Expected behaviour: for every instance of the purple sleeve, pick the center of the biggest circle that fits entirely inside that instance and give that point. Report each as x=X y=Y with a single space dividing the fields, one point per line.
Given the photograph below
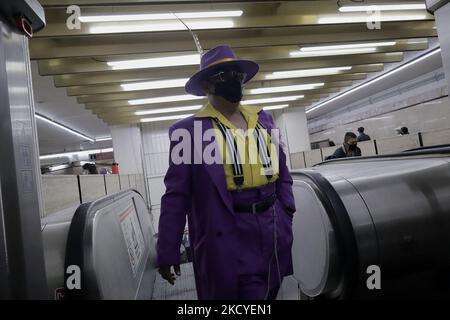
x=174 y=206
x=284 y=184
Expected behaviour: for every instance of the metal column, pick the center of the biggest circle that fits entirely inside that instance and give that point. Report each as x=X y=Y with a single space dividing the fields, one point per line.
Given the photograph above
x=22 y=268
x=441 y=11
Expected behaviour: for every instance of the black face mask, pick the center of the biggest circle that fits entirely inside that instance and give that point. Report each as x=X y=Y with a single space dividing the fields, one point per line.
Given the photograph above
x=230 y=90
x=352 y=147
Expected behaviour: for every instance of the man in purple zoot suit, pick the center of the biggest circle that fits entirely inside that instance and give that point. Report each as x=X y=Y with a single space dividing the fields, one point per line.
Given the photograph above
x=240 y=224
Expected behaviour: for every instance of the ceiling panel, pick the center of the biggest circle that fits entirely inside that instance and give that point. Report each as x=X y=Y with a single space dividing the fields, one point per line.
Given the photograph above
x=272 y=33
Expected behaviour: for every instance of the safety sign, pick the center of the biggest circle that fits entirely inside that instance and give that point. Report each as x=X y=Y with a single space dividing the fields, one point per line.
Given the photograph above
x=132 y=234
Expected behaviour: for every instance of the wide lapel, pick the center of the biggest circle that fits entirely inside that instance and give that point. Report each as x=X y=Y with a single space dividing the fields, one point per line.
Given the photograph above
x=265 y=122
x=216 y=170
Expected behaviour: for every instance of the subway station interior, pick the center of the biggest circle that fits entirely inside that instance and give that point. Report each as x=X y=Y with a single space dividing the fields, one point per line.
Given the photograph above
x=94 y=207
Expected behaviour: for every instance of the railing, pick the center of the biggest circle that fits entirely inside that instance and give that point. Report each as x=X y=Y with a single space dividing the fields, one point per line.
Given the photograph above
x=309 y=158
x=66 y=191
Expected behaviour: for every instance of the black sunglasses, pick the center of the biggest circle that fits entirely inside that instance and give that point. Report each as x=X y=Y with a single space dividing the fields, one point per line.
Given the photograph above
x=225 y=75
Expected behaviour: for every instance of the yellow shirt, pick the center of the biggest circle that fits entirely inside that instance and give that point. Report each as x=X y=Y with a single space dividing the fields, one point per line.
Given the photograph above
x=251 y=163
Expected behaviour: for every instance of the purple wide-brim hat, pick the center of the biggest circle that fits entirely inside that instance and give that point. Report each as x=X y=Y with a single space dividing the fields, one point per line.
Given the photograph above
x=214 y=60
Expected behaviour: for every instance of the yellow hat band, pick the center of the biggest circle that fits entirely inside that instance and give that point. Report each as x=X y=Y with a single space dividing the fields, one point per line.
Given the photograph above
x=220 y=61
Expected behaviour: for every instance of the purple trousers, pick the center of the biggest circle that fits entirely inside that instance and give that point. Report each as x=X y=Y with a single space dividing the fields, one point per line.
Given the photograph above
x=258 y=268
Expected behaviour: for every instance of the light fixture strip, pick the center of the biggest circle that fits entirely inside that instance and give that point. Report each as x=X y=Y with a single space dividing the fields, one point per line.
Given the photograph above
x=182 y=97
x=160 y=16
x=307 y=72
x=270 y=100
x=276 y=107
x=381 y=77
x=299 y=87
x=300 y=54
x=368 y=18
x=103 y=139
x=383 y=7
x=157 y=84
x=172 y=61
x=79 y=153
x=167 y=110
x=165 y=118
x=155 y=27
x=63 y=127
x=349 y=46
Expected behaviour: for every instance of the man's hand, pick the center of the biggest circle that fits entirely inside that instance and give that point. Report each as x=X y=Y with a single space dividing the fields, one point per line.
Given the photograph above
x=168 y=275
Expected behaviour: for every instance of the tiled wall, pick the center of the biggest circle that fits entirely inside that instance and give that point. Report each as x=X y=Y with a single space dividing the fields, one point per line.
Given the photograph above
x=429 y=116
x=65 y=191
x=421 y=104
x=373 y=147
x=156 y=143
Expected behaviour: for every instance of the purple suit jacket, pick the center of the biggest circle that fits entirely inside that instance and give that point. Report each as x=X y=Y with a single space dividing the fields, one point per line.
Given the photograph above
x=199 y=191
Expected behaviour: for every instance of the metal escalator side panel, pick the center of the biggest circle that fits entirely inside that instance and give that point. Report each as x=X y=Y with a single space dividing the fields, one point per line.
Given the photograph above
x=54 y=238
x=338 y=229
x=75 y=256
x=410 y=205
x=111 y=240
x=364 y=231
x=314 y=249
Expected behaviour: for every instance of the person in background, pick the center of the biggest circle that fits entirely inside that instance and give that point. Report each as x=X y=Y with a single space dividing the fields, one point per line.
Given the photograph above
x=362 y=136
x=89 y=168
x=187 y=245
x=348 y=149
x=404 y=131
x=331 y=143
x=103 y=170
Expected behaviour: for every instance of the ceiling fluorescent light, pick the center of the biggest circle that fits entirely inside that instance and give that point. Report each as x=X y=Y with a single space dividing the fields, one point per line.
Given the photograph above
x=365 y=84
x=287 y=88
x=76 y=153
x=182 y=60
x=368 y=18
x=270 y=100
x=126 y=17
x=383 y=7
x=60 y=126
x=299 y=54
x=165 y=118
x=103 y=139
x=182 y=97
x=307 y=72
x=209 y=14
x=166 y=26
x=158 y=84
x=167 y=110
x=349 y=46
x=160 y=16
x=276 y=107
x=59 y=167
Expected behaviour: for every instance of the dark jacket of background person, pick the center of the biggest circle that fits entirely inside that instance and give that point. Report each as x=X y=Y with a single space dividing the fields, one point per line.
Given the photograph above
x=363 y=137
x=341 y=153
x=348 y=149
x=92 y=168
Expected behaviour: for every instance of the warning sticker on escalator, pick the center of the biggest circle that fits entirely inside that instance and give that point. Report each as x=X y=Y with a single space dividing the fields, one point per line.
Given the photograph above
x=133 y=237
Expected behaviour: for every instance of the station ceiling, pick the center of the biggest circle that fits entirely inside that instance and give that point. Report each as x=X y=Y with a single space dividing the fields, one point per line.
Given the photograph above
x=110 y=67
